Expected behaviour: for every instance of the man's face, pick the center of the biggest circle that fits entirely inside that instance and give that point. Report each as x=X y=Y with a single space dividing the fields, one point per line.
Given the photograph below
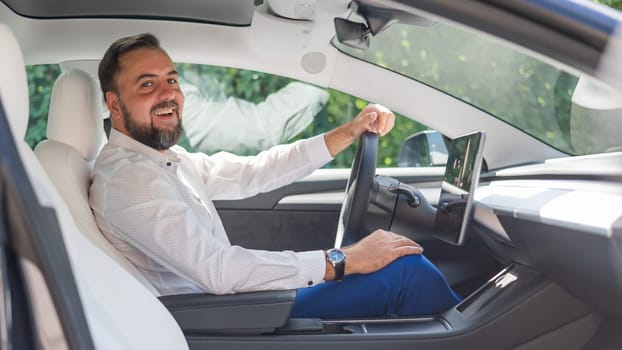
x=148 y=104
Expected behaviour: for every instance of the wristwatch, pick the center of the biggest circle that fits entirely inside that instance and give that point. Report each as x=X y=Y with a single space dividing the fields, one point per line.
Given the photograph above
x=337 y=258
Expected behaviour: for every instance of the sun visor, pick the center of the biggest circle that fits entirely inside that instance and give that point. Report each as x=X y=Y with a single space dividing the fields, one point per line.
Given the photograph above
x=294 y=9
x=230 y=12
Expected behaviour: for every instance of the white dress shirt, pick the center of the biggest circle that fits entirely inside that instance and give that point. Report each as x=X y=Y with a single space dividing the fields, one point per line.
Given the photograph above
x=156 y=208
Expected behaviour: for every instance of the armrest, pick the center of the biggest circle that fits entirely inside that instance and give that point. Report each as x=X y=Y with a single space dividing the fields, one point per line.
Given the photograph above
x=243 y=313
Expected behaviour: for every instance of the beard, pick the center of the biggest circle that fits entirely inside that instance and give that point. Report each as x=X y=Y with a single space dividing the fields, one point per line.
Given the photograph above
x=150 y=135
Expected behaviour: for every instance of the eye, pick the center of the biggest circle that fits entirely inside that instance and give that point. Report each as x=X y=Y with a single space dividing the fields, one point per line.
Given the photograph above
x=172 y=81
x=146 y=84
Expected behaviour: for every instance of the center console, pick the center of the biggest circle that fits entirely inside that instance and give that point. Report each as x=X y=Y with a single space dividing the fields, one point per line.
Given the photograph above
x=501 y=312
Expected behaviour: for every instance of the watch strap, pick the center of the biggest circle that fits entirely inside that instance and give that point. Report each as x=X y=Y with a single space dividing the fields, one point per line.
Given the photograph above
x=340 y=269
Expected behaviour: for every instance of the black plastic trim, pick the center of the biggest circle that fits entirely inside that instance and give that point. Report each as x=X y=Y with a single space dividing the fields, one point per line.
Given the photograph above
x=236 y=13
x=18 y=321
x=242 y=313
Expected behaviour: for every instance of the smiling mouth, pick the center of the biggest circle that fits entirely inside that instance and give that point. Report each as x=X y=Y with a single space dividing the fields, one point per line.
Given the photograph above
x=165 y=112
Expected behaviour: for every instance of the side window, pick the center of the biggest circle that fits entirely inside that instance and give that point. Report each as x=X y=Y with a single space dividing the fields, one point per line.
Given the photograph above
x=245 y=112
x=41 y=79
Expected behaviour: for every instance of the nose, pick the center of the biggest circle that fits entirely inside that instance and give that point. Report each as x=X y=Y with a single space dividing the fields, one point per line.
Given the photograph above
x=167 y=92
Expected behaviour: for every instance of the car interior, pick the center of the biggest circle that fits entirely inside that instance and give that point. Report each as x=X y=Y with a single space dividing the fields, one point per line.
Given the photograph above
x=534 y=247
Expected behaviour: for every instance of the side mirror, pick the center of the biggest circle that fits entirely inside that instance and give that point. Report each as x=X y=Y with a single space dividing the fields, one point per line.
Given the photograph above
x=423 y=149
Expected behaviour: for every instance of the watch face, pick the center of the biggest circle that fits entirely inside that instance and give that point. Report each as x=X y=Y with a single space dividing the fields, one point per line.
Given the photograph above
x=335 y=256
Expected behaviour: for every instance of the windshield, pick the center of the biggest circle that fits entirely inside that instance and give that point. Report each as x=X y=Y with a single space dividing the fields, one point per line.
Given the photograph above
x=553 y=105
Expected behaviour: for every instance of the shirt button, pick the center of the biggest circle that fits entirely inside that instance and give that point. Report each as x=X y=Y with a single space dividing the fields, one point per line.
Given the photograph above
x=310 y=283
x=169 y=163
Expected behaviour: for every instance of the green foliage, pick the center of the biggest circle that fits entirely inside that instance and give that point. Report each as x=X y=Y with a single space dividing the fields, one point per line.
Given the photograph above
x=246 y=84
x=40 y=82
x=616 y=4
x=256 y=86
x=523 y=91
x=342 y=108
x=506 y=83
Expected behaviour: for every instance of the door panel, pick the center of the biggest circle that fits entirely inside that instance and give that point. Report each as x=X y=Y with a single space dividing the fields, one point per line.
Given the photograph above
x=281 y=229
x=303 y=215
x=267 y=221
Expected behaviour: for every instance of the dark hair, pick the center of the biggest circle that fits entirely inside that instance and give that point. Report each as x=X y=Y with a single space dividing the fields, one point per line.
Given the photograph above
x=109 y=65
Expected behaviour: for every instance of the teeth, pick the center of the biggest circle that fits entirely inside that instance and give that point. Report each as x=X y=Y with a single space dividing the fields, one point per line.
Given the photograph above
x=164 y=111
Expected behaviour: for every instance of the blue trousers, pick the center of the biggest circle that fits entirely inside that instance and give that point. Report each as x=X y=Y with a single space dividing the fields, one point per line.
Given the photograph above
x=409 y=286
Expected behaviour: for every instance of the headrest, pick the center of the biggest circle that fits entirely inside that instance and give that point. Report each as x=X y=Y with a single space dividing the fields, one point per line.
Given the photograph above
x=75 y=116
x=13 y=84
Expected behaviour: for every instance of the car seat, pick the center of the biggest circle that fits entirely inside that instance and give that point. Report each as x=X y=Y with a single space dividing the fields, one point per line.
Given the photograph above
x=74 y=135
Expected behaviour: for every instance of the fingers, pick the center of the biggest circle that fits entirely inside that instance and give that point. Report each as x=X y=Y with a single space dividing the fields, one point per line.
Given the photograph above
x=388 y=125
x=374 y=118
x=406 y=246
x=408 y=250
x=379 y=119
x=378 y=250
x=394 y=241
x=381 y=122
x=372 y=121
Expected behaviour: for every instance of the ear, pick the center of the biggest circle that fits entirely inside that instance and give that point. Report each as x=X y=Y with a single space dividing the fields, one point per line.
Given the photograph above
x=112 y=101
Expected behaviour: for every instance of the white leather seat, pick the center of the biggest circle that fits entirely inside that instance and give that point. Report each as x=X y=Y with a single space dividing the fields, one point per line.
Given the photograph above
x=121 y=313
x=74 y=135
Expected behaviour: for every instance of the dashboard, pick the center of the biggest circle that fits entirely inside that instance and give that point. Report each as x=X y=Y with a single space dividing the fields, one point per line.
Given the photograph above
x=562 y=218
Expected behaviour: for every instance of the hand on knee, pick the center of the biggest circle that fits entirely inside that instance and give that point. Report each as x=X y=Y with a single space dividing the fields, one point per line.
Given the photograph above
x=378 y=250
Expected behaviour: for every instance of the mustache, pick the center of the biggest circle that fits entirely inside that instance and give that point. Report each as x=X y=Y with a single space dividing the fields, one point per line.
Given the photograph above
x=165 y=104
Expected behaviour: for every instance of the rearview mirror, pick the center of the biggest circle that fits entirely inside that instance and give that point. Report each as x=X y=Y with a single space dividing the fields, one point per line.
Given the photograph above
x=353 y=34
x=377 y=17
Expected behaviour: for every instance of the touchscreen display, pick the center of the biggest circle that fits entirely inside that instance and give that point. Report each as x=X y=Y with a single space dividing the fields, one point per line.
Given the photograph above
x=464 y=162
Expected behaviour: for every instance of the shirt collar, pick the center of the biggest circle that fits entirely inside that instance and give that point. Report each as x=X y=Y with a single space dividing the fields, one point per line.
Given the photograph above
x=164 y=158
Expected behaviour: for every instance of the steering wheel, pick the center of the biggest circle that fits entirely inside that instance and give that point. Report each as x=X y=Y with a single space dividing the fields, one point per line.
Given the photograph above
x=358 y=191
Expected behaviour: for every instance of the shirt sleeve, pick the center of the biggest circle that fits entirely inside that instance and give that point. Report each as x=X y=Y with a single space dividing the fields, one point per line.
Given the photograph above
x=228 y=176
x=235 y=125
x=147 y=210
